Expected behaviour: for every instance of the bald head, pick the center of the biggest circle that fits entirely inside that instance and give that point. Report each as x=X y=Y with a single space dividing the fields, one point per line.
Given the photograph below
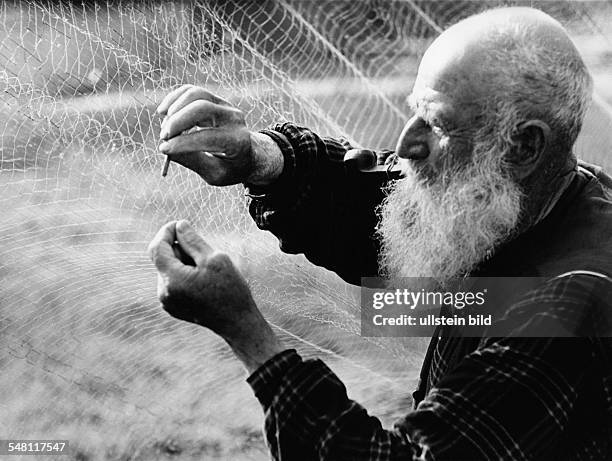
x=468 y=45
x=518 y=58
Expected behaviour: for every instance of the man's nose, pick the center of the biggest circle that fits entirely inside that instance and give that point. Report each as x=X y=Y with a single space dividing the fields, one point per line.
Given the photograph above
x=412 y=143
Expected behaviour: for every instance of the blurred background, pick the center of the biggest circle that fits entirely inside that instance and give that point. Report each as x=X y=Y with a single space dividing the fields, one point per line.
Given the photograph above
x=86 y=352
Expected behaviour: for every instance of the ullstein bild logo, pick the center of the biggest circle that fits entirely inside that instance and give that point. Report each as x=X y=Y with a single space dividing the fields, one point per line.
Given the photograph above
x=476 y=307
x=433 y=320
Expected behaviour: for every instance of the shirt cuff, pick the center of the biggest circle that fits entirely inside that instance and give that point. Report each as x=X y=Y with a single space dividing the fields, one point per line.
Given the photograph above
x=286 y=176
x=266 y=380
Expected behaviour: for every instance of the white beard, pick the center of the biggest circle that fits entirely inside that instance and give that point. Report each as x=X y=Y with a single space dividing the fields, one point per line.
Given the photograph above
x=446 y=227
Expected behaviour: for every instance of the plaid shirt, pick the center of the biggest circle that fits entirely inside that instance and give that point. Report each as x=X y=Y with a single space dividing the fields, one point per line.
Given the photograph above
x=482 y=398
x=505 y=399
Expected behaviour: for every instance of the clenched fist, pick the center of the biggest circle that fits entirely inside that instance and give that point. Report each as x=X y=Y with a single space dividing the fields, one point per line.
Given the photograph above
x=202 y=286
x=206 y=134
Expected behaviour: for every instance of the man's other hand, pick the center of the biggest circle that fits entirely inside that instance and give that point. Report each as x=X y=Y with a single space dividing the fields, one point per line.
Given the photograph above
x=206 y=134
x=196 y=283
x=200 y=285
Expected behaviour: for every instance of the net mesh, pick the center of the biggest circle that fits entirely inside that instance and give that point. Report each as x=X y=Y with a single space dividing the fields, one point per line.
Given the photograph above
x=87 y=354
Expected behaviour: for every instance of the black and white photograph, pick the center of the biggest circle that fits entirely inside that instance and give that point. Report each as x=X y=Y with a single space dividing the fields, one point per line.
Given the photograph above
x=306 y=230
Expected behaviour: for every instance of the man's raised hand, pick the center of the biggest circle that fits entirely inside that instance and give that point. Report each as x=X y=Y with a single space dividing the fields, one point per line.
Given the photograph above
x=206 y=134
x=200 y=285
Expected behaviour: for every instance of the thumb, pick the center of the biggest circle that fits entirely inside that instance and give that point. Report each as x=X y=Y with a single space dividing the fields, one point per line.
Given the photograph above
x=160 y=249
x=191 y=243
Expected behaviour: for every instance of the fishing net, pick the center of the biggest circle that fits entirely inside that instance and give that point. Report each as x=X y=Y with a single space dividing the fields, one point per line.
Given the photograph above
x=87 y=353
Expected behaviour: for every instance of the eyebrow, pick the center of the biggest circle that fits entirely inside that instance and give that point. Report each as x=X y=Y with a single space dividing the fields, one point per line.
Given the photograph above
x=439 y=119
x=411 y=102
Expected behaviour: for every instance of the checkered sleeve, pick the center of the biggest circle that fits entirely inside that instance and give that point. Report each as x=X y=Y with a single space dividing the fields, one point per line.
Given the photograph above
x=310 y=417
x=510 y=399
x=318 y=206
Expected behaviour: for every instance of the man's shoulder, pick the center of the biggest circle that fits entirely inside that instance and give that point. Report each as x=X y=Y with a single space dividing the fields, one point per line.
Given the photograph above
x=587 y=216
x=589 y=201
x=597 y=178
x=580 y=232
x=576 y=234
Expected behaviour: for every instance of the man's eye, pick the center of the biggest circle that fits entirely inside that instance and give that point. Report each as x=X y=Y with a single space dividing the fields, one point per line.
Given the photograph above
x=439 y=131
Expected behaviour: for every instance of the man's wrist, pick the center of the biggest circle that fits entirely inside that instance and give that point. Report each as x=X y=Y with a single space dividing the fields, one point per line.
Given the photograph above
x=268 y=161
x=254 y=345
x=265 y=381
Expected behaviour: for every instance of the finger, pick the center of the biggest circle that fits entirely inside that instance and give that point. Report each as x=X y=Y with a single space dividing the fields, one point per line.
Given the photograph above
x=215 y=98
x=214 y=140
x=200 y=113
x=191 y=243
x=182 y=256
x=160 y=248
x=163 y=125
x=162 y=109
x=195 y=94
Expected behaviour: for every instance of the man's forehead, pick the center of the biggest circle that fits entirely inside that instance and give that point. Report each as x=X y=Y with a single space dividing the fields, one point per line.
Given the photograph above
x=456 y=76
x=426 y=100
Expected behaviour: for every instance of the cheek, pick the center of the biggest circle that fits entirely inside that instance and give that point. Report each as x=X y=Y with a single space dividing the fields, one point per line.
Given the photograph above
x=454 y=152
x=445 y=144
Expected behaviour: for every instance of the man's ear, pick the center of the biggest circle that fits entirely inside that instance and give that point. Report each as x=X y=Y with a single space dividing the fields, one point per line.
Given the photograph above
x=530 y=139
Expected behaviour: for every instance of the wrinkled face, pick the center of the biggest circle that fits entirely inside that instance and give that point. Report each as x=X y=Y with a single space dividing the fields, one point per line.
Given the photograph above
x=456 y=203
x=438 y=138
x=446 y=101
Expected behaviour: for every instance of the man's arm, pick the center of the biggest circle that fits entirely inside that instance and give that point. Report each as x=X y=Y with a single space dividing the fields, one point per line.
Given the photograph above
x=321 y=205
x=513 y=398
x=200 y=285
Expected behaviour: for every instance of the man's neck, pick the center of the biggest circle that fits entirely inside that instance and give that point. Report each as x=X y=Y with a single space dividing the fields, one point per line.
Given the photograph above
x=563 y=183
x=551 y=191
